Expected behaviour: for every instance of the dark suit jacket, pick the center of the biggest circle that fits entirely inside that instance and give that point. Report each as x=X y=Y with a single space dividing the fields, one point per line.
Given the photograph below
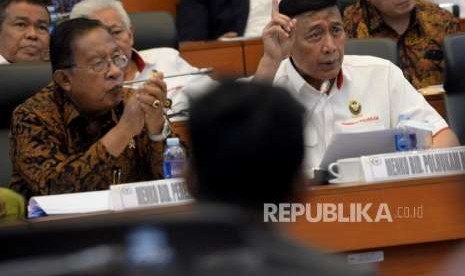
x=209 y=19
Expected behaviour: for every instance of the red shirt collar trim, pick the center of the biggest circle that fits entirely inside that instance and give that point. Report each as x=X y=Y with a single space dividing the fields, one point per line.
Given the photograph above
x=340 y=80
x=140 y=63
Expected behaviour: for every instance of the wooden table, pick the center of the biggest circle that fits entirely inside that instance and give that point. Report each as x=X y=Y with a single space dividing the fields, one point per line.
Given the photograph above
x=411 y=245
x=253 y=52
x=107 y=216
x=226 y=58
x=151 y=5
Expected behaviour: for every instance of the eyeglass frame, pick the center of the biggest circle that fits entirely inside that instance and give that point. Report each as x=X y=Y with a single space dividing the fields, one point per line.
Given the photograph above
x=108 y=62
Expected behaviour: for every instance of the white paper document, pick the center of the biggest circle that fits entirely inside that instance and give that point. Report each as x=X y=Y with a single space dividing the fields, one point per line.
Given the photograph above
x=73 y=203
x=347 y=145
x=157 y=193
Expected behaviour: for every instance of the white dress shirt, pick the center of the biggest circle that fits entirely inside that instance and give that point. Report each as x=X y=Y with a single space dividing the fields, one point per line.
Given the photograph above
x=376 y=84
x=259 y=16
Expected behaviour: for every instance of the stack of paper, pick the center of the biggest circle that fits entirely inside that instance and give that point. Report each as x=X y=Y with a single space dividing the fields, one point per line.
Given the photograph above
x=74 y=203
x=166 y=192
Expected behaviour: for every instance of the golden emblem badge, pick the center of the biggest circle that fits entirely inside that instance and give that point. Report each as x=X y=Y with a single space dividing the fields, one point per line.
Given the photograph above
x=355 y=108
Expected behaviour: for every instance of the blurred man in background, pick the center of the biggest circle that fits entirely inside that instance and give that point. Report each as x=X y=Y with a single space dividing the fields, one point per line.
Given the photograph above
x=24 y=33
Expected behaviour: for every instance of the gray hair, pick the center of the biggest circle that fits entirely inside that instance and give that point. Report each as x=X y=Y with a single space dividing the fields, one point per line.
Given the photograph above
x=87 y=8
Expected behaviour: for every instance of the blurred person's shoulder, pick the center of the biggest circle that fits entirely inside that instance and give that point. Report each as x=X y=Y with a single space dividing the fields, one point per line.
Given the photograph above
x=261 y=249
x=284 y=254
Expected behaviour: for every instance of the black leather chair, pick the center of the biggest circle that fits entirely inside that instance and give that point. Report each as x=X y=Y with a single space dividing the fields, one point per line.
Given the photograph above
x=378 y=47
x=153 y=29
x=454 y=57
x=17 y=83
x=454 y=83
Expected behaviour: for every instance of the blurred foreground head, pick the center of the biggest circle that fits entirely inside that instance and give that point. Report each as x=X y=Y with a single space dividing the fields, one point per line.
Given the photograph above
x=247 y=145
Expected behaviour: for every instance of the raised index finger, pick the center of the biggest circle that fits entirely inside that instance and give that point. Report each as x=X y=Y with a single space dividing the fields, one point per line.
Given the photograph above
x=275 y=8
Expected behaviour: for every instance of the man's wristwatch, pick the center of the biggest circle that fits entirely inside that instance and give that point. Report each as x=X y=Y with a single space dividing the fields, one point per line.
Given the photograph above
x=163 y=135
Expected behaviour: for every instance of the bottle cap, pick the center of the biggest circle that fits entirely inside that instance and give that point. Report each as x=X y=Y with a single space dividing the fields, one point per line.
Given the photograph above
x=172 y=142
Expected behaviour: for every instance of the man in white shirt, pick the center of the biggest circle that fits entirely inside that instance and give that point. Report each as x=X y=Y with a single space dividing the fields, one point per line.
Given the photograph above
x=143 y=63
x=23 y=31
x=304 y=52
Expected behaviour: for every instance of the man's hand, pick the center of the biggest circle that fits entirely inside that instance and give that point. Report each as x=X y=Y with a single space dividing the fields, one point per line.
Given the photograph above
x=278 y=35
x=278 y=38
x=133 y=118
x=130 y=124
x=152 y=97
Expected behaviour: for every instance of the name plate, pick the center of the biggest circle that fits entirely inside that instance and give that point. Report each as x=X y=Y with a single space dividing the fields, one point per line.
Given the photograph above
x=148 y=194
x=410 y=164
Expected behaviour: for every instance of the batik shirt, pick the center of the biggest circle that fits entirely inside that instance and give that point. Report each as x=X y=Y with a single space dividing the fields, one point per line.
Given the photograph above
x=54 y=149
x=420 y=47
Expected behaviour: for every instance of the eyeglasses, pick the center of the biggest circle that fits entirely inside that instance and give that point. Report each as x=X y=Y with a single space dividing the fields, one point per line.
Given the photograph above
x=103 y=65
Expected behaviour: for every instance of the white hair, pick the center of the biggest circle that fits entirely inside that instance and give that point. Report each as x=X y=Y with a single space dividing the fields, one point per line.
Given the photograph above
x=88 y=8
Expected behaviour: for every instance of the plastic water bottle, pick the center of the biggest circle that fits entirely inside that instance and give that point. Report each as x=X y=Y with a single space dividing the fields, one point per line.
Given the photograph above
x=173 y=159
x=405 y=139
